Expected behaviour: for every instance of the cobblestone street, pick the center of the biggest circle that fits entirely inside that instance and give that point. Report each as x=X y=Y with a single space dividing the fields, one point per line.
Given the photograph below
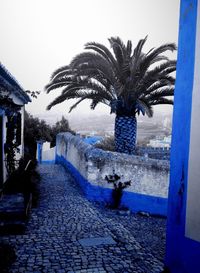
x=53 y=240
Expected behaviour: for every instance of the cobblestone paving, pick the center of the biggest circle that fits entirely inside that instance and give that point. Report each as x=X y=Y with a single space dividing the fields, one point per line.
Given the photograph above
x=64 y=216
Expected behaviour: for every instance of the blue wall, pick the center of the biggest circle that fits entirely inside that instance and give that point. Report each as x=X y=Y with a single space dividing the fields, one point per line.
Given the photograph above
x=134 y=201
x=39 y=151
x=182 y=254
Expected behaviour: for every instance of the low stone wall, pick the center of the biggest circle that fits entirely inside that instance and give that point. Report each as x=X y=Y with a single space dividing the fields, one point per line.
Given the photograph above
x=156 y=153
x=89 y=165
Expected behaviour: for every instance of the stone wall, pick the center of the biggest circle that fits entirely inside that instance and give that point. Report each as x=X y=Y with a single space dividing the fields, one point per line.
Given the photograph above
x=156 y=153
x=90 y=165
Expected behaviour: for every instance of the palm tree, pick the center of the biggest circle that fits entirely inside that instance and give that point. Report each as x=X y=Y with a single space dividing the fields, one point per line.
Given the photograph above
x=129 y=81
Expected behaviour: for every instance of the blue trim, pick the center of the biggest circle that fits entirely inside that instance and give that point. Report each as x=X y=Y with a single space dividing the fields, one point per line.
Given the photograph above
x=182 y=254
x=140 y=202
x=11 y=84
x=47 y=162
x=92 y=140
x=39 y=152
x=93 y=193
x=134 y=201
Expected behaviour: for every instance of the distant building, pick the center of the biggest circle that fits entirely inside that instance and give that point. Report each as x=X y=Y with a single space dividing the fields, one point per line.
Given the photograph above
x=167 y=123
x=12 y=101
x=160 y=143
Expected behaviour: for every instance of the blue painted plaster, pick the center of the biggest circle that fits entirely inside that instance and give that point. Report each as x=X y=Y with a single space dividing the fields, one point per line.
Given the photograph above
x=93 y=193
x=182 y=254
x=137 y=202
x=47 y=162
x=39 y=152
x=134 y=201
x=2 y=111
x=92 y=140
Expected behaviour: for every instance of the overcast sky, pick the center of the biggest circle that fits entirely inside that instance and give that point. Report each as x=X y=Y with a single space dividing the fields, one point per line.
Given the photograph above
x=38 y=36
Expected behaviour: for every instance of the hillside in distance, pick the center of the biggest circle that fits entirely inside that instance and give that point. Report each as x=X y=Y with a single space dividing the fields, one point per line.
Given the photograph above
x=103 y=124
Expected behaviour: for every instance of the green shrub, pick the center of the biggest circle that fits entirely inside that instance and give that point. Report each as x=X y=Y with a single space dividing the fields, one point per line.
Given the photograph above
x=107 y=144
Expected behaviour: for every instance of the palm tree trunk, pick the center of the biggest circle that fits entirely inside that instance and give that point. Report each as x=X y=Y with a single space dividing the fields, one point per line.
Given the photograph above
x=125 y=134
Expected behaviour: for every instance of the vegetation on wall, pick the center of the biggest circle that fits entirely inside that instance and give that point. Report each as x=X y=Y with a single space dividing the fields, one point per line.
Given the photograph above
x=34 y=130
x=60 y=126
x=107 y=144
x=13 y=130
x=118 y=188
x=11 y=145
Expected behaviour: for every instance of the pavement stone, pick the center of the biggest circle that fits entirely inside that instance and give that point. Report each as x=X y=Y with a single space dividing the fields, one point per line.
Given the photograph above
x=51 y=242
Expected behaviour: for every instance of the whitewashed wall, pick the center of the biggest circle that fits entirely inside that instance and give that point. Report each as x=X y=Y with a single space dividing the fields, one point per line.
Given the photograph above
x=148 y=176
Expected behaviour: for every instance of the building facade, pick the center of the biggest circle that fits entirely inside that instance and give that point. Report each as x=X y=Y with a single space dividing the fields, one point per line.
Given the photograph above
x=12 y=101
x=183 y=228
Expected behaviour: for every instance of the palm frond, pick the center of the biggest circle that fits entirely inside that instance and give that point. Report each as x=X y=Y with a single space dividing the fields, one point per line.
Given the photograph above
x=119 y=49
x=122 y=77
x=95 y=97
x=94 y=103
x=157 y=51
x=137 y=57
x=104 y=52
x=138 y=49
x=144 y=107
x=163 y=92
x=61 y=69
x=64 y=74
x=157 y=74
x=95 y=62
x=154 y=56
x=156 y=87
x=58 y=84
x=161 y=101
x=129 y=49
x=59 y=100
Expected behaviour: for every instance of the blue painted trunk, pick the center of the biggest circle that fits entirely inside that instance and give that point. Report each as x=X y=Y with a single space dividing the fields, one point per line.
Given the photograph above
x=125 y=134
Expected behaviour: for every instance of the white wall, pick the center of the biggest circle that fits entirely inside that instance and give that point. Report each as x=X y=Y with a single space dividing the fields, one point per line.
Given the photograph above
x=148 y=176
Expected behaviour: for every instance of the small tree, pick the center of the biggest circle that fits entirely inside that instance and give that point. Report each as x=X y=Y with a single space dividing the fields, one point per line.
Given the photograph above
x=118 y=188
x=34 y=130
x=60 y=126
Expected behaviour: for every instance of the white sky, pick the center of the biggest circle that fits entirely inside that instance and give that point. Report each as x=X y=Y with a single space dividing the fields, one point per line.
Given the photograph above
x=38 y=36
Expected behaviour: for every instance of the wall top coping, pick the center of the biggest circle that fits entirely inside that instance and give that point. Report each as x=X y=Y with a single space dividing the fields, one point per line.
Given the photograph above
x=96 y=154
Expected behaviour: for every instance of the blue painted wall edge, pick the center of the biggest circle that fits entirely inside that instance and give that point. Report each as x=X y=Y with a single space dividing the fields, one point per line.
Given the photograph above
x=182 y=254
x=134 y=201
